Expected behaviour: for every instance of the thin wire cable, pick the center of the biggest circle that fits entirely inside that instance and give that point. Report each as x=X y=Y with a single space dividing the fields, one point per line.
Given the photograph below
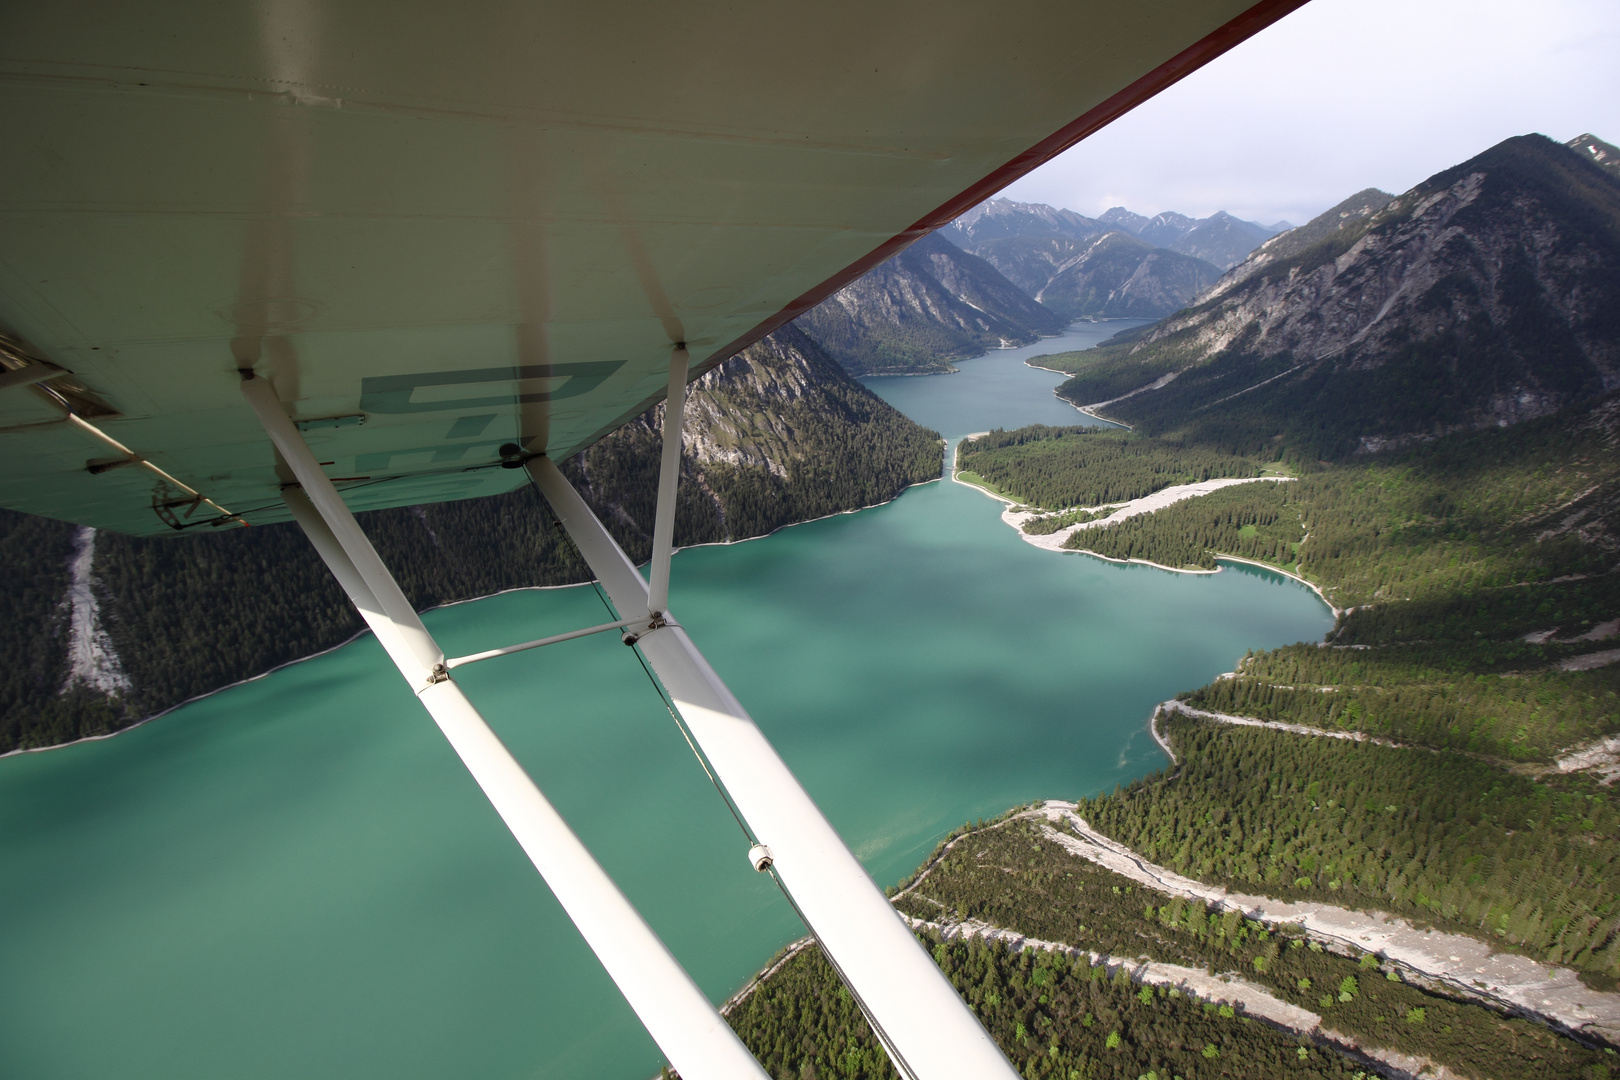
x=675 y=715
x=895 y=1057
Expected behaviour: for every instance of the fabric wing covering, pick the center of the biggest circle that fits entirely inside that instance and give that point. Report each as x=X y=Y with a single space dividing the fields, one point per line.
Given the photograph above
x=444 y=228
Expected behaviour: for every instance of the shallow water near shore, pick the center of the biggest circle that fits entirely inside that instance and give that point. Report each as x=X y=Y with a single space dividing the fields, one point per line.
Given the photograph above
x=297 y=877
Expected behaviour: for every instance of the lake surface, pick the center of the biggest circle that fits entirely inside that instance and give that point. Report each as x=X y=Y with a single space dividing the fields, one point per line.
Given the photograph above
x=296 y=877
x=997 y=390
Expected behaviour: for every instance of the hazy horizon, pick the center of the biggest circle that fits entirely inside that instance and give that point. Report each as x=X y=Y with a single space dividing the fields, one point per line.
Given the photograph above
x=1342 y=96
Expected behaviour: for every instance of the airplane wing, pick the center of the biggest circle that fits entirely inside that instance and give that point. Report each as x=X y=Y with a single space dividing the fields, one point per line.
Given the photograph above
x=439 y=229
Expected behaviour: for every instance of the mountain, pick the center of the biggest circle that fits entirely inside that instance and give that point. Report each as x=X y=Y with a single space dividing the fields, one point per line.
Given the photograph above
x=1220 y=238
x=1487 y=295
x=777 y=434
x=997 y=219
x=1031 y=262
x=1119 y=276
x=929 y=305
x=1288 y=244
x=1605 y=154
x=1117 y=217
x=1161 y=230
x=1054 y=255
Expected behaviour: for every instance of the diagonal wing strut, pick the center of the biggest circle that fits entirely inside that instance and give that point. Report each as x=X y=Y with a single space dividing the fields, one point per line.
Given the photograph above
x=930 y=1032
x=694 y=1037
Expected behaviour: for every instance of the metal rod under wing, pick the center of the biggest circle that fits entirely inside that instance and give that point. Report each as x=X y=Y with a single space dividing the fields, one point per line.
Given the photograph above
x=907 y=995
x=538 y=643
x=687 y=1028
x=669 y=475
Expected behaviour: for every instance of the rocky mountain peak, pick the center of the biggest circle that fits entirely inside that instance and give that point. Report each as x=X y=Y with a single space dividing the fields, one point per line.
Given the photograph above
x=998 y=218
x=1117 y=217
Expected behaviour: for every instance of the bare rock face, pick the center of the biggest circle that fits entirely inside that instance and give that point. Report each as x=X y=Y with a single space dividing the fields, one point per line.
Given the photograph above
x=1488 y=295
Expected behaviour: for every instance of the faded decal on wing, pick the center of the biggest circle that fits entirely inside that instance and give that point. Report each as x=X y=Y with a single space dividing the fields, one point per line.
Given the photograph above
x=420 y=392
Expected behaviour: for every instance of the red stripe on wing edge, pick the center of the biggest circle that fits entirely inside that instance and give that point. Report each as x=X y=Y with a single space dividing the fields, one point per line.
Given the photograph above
x=1167 y=74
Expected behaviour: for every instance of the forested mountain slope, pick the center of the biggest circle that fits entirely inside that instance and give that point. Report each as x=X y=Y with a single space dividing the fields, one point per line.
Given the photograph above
x=929 y=305
x=1488 y=295
x=777 y=434
x=1476 y=563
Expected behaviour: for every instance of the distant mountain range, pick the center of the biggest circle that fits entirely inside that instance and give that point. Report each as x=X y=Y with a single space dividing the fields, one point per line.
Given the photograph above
x=1487 y=295
x=1007 y=273
x=1220 y=238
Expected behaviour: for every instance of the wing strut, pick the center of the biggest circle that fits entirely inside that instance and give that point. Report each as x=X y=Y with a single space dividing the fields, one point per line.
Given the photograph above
x=669 y=477
x=694 y=1037
x=930 y=1032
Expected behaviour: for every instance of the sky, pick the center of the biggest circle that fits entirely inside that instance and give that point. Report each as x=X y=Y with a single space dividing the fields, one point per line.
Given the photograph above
x=1348 y=94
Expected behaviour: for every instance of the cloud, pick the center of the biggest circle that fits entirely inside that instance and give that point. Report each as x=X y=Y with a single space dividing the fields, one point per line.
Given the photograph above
x=1348 y=94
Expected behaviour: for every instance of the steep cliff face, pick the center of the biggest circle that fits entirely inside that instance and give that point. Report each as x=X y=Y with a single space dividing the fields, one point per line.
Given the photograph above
x=929 y=305
x=1487 y=295
x=110 y=629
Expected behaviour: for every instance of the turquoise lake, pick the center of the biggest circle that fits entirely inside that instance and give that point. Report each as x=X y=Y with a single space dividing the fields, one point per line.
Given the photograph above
x=296 y=877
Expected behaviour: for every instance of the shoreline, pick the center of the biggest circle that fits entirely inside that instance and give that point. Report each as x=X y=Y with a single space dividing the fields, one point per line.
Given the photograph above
x=1135 y=508
x=1338 y=612
x=364 y=630
x=1088 y=410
